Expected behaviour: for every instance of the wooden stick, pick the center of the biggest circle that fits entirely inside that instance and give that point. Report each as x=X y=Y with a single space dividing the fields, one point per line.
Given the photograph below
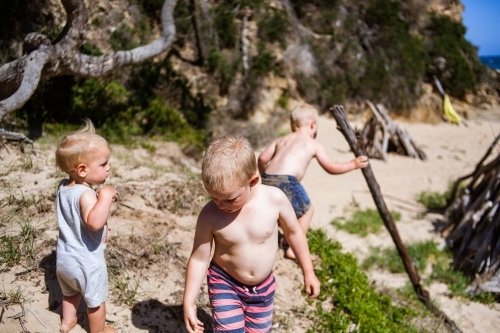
x=355 y=141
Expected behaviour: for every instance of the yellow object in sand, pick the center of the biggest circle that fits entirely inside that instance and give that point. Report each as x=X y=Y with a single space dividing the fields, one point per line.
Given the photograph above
x=449 y=112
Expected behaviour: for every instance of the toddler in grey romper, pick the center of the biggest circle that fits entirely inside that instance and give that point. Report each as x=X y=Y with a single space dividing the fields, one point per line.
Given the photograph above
x=81 y=267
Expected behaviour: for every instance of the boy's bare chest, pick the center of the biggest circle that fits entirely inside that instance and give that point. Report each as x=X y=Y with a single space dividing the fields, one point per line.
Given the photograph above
x=255 y=228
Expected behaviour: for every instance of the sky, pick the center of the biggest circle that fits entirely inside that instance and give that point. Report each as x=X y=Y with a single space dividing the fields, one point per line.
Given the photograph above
x=482 y=19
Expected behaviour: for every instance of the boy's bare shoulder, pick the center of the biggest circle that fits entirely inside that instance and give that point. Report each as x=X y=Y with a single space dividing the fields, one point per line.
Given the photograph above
x=272 y=194
x=208 y=211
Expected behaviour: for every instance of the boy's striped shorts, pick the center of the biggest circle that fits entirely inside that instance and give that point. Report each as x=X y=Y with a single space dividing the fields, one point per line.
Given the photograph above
x=237 y=308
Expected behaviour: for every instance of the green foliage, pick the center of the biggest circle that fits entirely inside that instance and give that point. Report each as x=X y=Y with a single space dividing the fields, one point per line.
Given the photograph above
x=226 y=27
x=89 y=49
x=355 y=301
x=261 y=65
x=322 y=18
x=363 y=222
x=123 y=38
x=222 y=68
x=274 y=26
x=422 y=254
x=432 y=200
x=283 y=102
x=463 y=70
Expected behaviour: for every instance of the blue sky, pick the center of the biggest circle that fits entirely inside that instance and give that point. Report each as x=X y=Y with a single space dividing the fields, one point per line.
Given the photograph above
x=482 y=19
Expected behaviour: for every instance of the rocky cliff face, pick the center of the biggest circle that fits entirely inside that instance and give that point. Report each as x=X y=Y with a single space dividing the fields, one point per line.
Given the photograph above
x=249 y=61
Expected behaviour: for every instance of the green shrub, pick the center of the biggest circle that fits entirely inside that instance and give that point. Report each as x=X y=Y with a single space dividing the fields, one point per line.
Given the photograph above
x=222 y=69
x=274 y=26
x=463 y=69
x=388 y=258
x=123 y=38
x=432 y=200
x=226 y=28
x=354 y=299
x=363 y=222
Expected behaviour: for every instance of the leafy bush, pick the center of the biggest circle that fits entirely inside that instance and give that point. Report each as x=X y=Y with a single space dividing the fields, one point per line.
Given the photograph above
x=274 y=26
x=463 y=69
x=355 y=302
x=363 y=222
x=123 y=38
x=222 y=68
x=226 y=28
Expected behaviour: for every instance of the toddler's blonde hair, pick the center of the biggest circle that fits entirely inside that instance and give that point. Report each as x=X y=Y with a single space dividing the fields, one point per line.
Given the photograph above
x=229 y=163
x=79 y=147
x=302 y=115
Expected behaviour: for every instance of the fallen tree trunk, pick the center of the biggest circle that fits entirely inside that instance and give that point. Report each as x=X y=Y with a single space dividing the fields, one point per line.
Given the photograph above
x=355 y=141
x=381 y=135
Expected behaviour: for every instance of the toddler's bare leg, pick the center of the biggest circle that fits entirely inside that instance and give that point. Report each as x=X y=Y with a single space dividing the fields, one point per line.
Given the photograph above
x=69 y=308
x=304 y=222
x=97 y=319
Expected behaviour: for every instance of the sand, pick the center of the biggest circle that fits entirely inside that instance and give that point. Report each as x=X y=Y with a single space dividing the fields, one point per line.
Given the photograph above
x=160 y=194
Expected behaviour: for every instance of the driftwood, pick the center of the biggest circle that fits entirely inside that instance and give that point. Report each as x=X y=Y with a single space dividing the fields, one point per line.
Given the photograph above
x=472 y=226
x=356 y=143
x=6 y=136
x=382 y=135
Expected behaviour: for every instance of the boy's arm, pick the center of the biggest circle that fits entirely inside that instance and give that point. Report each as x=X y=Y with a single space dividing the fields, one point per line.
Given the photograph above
x=196 y=272
x=266 y=156
x=338 y=168
x=298 y=242
x=95 y=209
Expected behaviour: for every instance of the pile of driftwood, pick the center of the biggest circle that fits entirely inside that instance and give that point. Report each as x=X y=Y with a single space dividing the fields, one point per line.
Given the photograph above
x=472 y=228
x=381 y=135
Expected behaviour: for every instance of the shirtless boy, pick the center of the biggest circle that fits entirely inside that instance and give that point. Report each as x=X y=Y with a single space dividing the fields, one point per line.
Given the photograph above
x=82 y=215
x=241 y=221
x=283 y=163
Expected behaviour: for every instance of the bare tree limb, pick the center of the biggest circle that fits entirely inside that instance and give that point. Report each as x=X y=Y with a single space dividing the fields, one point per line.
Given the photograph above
x=19 y=78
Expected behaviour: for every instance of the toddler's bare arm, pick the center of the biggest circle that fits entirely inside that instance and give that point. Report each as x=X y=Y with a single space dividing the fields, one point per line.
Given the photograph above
x=336 y=168
x=95 y=209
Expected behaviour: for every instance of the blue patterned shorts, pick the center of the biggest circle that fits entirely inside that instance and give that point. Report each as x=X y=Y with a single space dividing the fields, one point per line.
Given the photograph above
x=293 y=190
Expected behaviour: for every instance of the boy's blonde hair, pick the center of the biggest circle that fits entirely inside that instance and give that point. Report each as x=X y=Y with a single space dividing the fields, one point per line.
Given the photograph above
x=79 y=147
x=229 y=163
x=302 y=115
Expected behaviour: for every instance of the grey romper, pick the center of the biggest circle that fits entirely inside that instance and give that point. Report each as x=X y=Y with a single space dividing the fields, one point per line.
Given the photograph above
x=81 y=267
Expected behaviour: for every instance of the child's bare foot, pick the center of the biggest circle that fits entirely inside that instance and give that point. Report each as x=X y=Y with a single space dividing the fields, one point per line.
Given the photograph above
x=68 y=325
x=289 y=254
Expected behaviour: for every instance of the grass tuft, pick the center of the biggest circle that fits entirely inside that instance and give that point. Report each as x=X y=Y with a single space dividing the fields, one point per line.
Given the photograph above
x=363 y=222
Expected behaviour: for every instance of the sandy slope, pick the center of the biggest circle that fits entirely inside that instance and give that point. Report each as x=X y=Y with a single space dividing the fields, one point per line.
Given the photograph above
x=161 y=194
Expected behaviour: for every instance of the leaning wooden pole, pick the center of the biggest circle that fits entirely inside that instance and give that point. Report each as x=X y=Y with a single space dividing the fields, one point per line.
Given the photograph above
x=355 y=141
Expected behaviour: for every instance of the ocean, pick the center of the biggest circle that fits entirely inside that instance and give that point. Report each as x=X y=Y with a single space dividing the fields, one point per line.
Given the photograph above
x=491 y=61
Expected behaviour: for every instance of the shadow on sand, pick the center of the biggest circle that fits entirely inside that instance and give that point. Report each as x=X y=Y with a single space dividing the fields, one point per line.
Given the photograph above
x=152 y=315
x=157 y=317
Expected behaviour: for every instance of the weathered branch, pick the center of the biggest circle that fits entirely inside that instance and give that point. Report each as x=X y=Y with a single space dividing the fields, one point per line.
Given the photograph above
x=355 y=141
x=19 y=78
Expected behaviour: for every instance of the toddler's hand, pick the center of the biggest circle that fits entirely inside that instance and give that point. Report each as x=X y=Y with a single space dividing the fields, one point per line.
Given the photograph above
x=312 y=286
x=361 y=162
x=108 y=192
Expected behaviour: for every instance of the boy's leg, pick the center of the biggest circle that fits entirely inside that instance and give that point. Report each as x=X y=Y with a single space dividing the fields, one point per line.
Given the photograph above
x=304 y=222
x=69 y=308
x=97 y=319
x=259 y=307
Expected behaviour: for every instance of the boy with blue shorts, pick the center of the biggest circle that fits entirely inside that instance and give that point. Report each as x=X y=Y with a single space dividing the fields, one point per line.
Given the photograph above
x=283 y=163
x=241 y=221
